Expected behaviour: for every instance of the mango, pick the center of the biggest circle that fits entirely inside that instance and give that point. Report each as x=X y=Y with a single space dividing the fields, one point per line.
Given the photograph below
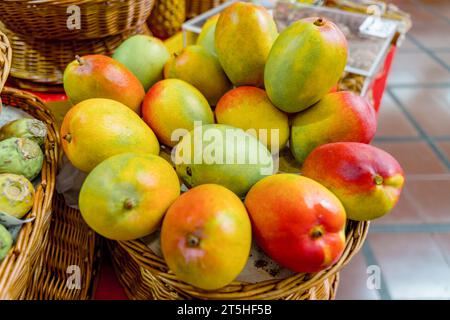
x=305 y=62
x=16 y=195
x=298 y=222
x=211 y=81
x=338 y=117
x=145 y=57
x=244 y=35
x=223 y=155
x=125 y=197
x=98 y=76
x=250 y=109
x=206 y=38
x=96 y=129
x=366 y=179
x=206 y=237
x=172 y=105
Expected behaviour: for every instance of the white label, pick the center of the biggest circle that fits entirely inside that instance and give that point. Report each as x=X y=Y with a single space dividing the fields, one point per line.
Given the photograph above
x=377 y=27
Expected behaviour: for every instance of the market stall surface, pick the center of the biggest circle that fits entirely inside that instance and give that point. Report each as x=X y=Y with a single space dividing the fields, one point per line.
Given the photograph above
x=407 y=255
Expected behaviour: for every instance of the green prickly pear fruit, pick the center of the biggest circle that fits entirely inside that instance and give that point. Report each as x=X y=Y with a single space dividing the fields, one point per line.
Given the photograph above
x=16 y=195
x=5 y=242
x=32 y=129
x=21 y=156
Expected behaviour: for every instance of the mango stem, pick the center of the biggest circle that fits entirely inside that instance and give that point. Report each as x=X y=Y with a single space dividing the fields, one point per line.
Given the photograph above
x=378 y=180
x=319 y=22
x=192 y=241
x=78 y=58
x=317 y=232
x=68 y=137
x=129 y=204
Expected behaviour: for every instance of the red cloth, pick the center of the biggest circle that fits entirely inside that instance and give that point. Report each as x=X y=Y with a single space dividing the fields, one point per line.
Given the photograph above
x=108 y=287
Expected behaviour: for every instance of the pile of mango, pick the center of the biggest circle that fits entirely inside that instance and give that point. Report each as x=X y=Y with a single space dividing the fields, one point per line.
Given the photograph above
x=213 y=118
x=21 y=160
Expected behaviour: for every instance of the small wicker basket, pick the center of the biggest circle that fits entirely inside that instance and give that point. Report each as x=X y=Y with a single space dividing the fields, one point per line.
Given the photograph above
x=72 y=247
x=49 y=19
x=196 y=7
x=17 y=269
x=44 y=61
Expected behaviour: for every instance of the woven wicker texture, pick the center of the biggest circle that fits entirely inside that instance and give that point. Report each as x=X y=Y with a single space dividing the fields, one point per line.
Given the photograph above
x=167 y=17
x=196 y=7
x=44 y=61
x=49 y=19
x=70 y=243
x=144 y=275
x=17 y=270
x=5 y=59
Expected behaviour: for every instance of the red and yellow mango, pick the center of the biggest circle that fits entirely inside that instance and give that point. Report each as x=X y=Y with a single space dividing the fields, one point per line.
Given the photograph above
x=338 y=117
x=367 y=180
x=173 y=104
x=297 y=222
x=250 y=108
x=206 y=237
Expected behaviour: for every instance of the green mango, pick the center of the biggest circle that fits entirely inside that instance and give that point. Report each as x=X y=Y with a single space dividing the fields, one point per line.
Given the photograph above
x=145 y=57
x=5 y=242
x=16 y=195
x=21 y=156
x=224 y=155
x=206 y=37
x=305 y=62
x=244 y=35
x=32 y=129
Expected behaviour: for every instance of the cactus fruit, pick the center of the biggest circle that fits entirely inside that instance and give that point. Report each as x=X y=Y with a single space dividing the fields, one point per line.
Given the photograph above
x=16 y=195
x=21 y=156
x=25 y=128
x=5 y=242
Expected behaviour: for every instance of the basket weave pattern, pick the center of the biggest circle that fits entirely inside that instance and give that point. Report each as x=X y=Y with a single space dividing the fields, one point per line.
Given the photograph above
x=196 y=7
x=45 y=61
x=47 y=19
x=5 y=59
x=70 y=243
x=17 y=269
x=144 y=275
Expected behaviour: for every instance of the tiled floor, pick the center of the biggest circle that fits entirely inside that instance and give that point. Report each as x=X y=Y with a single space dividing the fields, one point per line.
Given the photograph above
x=411 y=246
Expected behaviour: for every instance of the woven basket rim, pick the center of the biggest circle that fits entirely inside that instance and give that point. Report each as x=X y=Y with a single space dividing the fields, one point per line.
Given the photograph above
x=5 y=57
x=16 y=269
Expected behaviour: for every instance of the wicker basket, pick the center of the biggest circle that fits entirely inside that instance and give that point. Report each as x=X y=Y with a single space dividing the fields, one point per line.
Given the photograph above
x=5 y=59
x=44 y=61
x=196 y=7
x=48 y=19
x=144 y=275
x=70 y=243
x=17 y=269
